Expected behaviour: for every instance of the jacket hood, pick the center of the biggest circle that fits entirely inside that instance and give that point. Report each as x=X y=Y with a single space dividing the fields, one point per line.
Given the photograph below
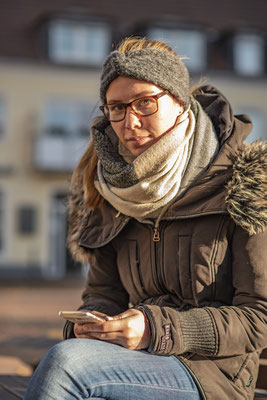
x=235 y=183
x=245 y=191
x=218 y=109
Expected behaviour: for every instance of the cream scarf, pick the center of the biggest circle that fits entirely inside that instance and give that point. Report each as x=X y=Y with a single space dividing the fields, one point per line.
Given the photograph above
x=158 y=170
x=140 y=188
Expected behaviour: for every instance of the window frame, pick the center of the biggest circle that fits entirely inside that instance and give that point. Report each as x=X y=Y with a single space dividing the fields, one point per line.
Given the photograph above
x=27 y=219
x=3 y=121
x=76 y=55
x=73 y=107
x=238 y=65
x=3 y=203
x=254 y=113
x=202 y=34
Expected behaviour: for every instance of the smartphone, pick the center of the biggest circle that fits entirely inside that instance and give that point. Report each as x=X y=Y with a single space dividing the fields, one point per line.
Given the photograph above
x=80 y=317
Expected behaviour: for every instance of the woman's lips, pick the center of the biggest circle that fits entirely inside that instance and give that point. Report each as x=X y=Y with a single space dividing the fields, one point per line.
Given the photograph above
x=138 y=140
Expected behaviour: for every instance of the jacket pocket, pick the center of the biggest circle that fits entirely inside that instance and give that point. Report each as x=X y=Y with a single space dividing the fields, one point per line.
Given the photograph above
x=241 y=370
x=248 y=372
x=134 y=264
x=184 y=267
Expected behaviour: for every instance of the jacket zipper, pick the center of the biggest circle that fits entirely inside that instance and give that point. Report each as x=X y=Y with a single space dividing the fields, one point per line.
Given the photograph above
x=157 y=263
x=140 y=273
x=156 y=237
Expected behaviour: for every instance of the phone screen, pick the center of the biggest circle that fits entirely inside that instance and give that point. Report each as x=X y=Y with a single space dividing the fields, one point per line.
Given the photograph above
x=80 y=317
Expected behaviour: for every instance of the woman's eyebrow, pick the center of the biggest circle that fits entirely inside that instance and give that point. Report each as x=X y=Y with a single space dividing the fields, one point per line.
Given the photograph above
x=137 y=96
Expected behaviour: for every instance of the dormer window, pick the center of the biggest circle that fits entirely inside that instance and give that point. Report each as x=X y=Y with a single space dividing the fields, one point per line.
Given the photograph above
x=78 y=42
x=191 y=44
x=248 y=54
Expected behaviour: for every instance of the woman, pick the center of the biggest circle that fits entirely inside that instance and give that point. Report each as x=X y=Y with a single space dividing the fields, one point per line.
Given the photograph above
x=167 y=205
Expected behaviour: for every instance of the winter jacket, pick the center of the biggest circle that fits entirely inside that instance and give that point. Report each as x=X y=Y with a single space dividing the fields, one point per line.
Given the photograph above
x=201 y=278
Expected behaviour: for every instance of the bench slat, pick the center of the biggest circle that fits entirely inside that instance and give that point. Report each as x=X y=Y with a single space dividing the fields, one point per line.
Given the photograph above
x=13 y=386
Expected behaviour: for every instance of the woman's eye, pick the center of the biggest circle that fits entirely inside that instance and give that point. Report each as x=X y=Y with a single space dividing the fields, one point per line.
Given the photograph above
x=145 y=102
x=115 y=107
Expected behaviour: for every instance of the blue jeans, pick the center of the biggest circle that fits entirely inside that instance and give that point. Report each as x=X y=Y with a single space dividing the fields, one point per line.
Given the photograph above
x=86 y=368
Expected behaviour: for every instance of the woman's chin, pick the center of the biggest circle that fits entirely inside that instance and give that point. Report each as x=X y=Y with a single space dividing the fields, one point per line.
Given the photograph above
x=138 y=146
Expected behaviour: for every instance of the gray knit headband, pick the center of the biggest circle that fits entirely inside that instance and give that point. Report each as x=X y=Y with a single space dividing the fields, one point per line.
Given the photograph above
x=161 y=68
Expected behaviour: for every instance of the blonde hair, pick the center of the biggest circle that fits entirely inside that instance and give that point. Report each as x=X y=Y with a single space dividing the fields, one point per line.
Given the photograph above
x=138 y=43
x=85 y=172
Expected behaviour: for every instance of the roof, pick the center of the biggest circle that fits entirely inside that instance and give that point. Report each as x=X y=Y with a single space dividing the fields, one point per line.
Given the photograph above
x=21 y=20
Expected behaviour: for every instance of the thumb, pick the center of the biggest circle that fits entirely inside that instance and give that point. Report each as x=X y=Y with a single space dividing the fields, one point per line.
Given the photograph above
x=128 y=313
x=117 y=317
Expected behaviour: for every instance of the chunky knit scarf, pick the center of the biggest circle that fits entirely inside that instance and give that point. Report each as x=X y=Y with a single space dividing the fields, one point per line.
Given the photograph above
x=144 y=186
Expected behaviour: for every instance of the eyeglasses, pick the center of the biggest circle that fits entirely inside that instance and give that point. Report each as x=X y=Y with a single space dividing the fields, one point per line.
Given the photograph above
x=143 y=106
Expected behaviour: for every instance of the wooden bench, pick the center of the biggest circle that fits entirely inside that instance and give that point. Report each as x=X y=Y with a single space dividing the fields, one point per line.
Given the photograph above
x=13 y=387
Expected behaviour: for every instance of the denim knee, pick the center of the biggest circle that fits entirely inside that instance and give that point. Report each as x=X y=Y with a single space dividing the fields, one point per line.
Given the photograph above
x=64 y=354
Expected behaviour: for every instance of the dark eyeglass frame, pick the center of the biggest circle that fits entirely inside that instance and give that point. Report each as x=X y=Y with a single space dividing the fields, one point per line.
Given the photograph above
x=125 y=105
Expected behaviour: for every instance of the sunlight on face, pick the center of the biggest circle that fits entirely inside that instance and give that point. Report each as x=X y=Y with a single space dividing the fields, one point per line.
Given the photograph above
x=137 y=133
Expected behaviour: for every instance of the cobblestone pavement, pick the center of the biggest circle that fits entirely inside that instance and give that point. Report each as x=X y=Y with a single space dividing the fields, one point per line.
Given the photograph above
x=29 y=321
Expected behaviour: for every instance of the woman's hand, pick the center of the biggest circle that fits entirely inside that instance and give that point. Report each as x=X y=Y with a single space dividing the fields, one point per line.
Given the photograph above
x=78 y=327
x=128 y=329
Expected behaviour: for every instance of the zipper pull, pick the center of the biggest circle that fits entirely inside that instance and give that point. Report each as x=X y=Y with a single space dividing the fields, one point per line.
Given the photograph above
x=156 y=237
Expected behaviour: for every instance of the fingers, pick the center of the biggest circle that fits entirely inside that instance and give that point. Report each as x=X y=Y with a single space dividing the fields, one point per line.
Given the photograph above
x=124 y=339
x=112 y=324
x=128 y=329
x=81 y=332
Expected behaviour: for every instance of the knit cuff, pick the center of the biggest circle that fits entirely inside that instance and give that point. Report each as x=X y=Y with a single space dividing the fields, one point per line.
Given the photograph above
x=179 y=332
x=198 y=331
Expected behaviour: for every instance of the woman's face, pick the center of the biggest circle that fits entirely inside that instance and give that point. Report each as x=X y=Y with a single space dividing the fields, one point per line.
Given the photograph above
x=137 y=133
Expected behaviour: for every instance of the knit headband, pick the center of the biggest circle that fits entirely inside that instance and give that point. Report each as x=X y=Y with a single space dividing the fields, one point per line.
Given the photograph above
x=159 y=67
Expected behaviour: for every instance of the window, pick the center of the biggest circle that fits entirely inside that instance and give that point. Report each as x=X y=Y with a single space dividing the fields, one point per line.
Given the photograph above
x=27 y=220
x=2 y=230
x=2 y=117
x=191 y=44
x=258 y=131
x=248 y=54
x=67 y=118
x=64 y=134
x=78 y=42
x=257 y=118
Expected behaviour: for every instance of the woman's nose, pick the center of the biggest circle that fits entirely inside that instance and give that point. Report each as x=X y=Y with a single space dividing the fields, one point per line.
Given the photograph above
x=132 y=120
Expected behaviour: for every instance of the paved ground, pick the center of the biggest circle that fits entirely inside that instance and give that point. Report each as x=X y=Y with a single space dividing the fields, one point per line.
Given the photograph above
x=29 y=322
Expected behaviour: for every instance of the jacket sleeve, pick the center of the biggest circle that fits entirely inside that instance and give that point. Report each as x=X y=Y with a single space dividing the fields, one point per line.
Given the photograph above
x=225 y=330
x=104 y=291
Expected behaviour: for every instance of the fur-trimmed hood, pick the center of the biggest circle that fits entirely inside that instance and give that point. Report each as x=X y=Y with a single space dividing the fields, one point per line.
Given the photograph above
x=246 y=198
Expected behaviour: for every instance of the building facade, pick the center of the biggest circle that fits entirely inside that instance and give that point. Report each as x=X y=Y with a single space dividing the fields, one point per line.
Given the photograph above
x=50 y=60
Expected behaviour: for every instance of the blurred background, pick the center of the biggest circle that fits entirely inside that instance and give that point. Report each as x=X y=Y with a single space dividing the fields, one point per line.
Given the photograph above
x=51 y=54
